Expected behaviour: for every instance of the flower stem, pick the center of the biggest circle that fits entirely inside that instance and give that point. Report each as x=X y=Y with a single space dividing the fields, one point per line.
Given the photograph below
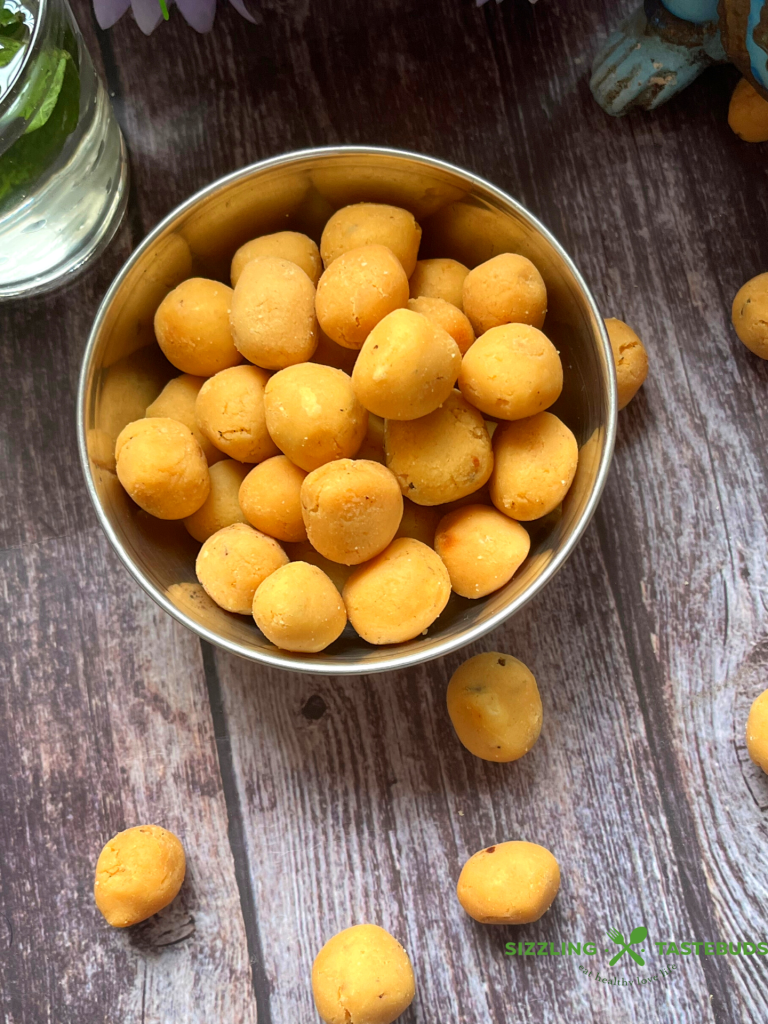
x=164 y=9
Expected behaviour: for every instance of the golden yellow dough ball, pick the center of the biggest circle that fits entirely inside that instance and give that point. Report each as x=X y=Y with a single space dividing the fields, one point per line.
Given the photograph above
x=630 y=360
x=495 y=707
x=748 y=113
x=222 y=507
x=313 y=414
x=273 y=313
x=372 y=447
x=230 y=412
x=418 y=522
x=481 y=548
x=406 y=368
x=351 y=509
x=750 y=315
x=510 y=883
x=138 y=872
x=337 y=573
x=439 y=279
x=449 y=317
x=357 y=291
x=162 y=467
x=270 y=497
x=535 y=463
x=372 y=224
x=512 y=372
x=440 y=457
x=330 y=354
x=177 y=402
x=285 y=245
x=757 y=731
x=234 y=562
x=399 y=594
x=192 y=327
x=299 y=609
x=362 y=976
x=507 y=289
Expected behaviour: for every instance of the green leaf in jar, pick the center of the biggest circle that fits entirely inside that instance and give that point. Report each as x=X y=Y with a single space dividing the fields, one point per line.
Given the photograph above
x=47 y=88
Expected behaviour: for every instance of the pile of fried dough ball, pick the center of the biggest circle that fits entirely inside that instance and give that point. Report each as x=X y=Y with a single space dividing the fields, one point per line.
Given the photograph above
x=412 y=474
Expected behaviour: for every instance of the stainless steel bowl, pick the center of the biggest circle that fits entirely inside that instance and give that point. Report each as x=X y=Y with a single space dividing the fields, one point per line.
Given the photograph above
x=463 y=217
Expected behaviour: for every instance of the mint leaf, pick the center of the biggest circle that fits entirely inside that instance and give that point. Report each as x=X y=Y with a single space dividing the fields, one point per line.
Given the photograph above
x=50 y=88
x=8 y=49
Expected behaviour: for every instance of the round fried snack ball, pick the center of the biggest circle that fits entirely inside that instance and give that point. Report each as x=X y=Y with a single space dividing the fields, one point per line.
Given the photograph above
x=440 y=457
x=449 y=317
x=222 y=507
x=439 y=279
x=512 y=372
x=230 y=412
x=192 y=327
x=398 y=594
x=630 y=359
x=273 y=313
x=351 y=509
x=507 y=289
x=313 y=415
x=138 y=872
x=373 y=443
x=362 y=976
x=299 y=609
x=418 y=522
x=495 y=706
x=757 y=731
x=177 y=402
x=357 y=291
x=748 y=113
x=535 y=463
x=481 y=548
x=406 y=368
x=372 y=224
x=750 y=315
x=162 y=467
x=330 y=354
x=234 y=562
x=270 y=499
x=511 y=883
x=285 y=245
x=337 y=573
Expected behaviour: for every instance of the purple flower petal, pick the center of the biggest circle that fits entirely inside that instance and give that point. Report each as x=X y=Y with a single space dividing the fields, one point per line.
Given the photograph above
x=242 y=9
x=109 y=11
x=148 y=14
x=198 y=13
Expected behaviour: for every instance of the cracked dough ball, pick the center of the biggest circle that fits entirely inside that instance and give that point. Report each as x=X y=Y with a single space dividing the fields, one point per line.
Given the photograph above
x=138 y=872
x=285 y=245
x=362 y=976
x=507 y=289
x=270 y=497
x=192 y=327
x=481 y=548
x=535 y=463
x=440 y=457
x=162 y=467
x=512 y=372
x=748 y=113
x=313 y=415
x=273 y=313
x=351 y=509
x=750 y=315
x=234 y=562
x=418 y=522
x=372 y=224
x=495 y=707
x=630 y=359
x=230 y=412
x=757 y=731
x=398 y=594
x=449 y=317
x=511 y=883
x=439 y=279
x=177 y=402
x=357 y=291
x=222 y=507
x=299 y=609
x=406 y=368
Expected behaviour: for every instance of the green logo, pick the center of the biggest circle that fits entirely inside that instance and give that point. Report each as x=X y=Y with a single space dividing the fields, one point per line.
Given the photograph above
x=635 y=936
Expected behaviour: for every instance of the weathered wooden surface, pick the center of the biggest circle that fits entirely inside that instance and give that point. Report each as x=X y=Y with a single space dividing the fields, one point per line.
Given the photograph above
x=333 y=801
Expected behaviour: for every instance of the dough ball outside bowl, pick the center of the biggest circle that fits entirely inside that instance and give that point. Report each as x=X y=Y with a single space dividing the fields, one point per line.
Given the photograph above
x=748 y=113
x=535 y=463
x=512 y=372
x=177 y=402
x=750 y=315
x=313 y=415
x=222 y=507
x=757 y=731
x=357 y=291
x=351 y=509
x=495 y=707
x=285 y=245
x=162 y=467
x=273 y=313
x=299 y=609
x=407 y=367
x=630 y=360
x=372 y=224
x=419 y=522
x=398 y=594
x=439 y=279
x=481 y=548
x=230 y=412
x=234 y=562
x=270 y=497
x=507 y=289
x=510 y=883
x=449 y=317
x=362 y=976
x=138 y=872
x=192 y=327
x=440 y=457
